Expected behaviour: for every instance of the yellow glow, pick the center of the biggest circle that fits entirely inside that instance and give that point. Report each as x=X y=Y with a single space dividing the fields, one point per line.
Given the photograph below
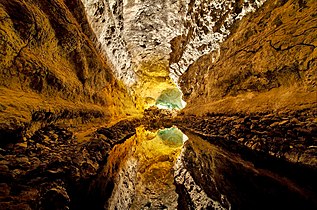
x=153 y=76
x=154 y=160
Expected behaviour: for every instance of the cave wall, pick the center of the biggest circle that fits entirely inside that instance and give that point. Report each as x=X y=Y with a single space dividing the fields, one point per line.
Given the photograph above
x=268 y=63
x=50 y=70
x=106 y=20
x=152 y=43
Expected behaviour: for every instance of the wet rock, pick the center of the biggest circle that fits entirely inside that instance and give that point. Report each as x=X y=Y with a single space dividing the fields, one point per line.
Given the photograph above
x=53 y=154
x=274 y=124
x=88 y=169
x=274 y=134
x=22 y=145
x=309 y=157
x=55 y=198
x=294 y=121
x=4 y=171
x=4 y=190
x=75 y=173
x=229 y=182
x=23 y=162
x=30 y=195
x=13 y=206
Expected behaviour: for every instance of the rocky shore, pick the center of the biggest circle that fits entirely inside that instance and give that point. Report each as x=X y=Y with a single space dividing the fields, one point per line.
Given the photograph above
x=289 y=136
x=52 y=169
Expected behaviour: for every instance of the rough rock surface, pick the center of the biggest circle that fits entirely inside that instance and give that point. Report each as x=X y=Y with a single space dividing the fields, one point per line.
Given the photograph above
x=51 y=169
x=50 y=69
x=196 y=196
x=290 y=136
x=154 y=42
x=59 y=67
x=106 y=20
x=210 y=176
x=267 y=63
x=215 y=171
x=139 y=174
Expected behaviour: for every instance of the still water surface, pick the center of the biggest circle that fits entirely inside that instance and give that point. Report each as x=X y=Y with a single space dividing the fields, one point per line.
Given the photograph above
x=167 y=169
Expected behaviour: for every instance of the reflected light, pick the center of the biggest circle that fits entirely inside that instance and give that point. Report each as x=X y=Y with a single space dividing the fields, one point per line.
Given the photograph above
x=172 y=136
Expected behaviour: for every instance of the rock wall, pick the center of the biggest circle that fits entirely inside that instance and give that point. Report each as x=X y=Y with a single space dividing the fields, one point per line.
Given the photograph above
x=289 y=136
x=204 y=25
x=106 y=20
x=50 y=70
x=191 y=195
x=267 y=64
x=209 y=176
x=154 y=42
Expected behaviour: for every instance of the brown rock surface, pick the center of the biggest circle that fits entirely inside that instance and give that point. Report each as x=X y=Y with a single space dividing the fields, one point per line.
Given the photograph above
x=258 y=96
x=230 y=180
x=51 y=171
x=288 y=136
x=50 y=71
x=267 y=63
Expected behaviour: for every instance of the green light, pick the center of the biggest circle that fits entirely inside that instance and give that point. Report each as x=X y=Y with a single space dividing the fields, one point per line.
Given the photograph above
x=172 y=136
x=170 y=99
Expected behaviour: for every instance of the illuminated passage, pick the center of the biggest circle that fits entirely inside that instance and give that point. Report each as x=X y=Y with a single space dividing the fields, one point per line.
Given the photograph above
x=172 y=136
x=170 y=98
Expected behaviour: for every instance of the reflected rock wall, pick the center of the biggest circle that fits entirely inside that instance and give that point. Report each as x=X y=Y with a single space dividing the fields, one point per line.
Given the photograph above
x=139 y=173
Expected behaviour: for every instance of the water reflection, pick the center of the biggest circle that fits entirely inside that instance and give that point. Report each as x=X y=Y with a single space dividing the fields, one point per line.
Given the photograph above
x=232 y=182
x=172 y=136
x=142 y=170
x=166 y=169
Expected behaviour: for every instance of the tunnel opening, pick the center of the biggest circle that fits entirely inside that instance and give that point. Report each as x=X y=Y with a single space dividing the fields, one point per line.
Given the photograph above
x=170 y=98
x=172 y=136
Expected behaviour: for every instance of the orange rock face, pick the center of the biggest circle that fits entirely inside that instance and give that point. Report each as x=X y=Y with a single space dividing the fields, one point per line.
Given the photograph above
x=267 y=64
x=49 y=66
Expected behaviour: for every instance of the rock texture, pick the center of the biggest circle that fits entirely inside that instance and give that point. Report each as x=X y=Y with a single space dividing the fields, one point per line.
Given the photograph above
x=192 y=195
x=250 y=84
x=154 y=42
x=50 y=70
x=52 y=170
x=289 y=136
x=267 y=63
x=146 y=172
x=210 y=176
x=204 y=25
x=106 y=20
